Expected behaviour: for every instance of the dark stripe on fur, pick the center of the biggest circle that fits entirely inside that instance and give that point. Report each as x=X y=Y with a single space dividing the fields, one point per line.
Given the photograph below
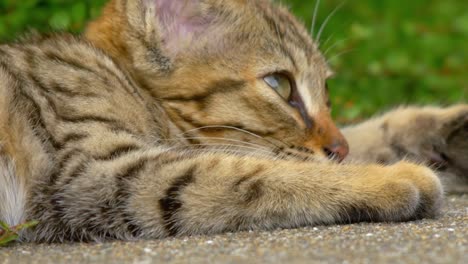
x=281 y=38
x=222 y=86
x=124 y=192
x=35 y=116
x=69 y=62
x=118 y=152
x=304 y=149
x=124 y=82
x=89 y=119
x=75 y=173
x=37 y=121
x=71 y=93
x=61 y=165
x=58 y=193
x=171 y=203
x=109 y=209
x=77 y=119
x=207 y=127
x=249 y=186
x=254 y=191
x=72 y=138
x=357 y=213
x=246 y=177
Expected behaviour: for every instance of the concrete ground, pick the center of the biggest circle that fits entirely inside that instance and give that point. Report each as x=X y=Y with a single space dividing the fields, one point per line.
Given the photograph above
x=444 y=240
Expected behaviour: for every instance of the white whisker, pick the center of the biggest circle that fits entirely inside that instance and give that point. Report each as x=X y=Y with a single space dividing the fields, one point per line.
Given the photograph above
x=233 y=128
x=334 y=45
x=225 y=148
x=224 y=139
x=314 y=18
x=326 y=41
x=325 y=22
x=338 y=55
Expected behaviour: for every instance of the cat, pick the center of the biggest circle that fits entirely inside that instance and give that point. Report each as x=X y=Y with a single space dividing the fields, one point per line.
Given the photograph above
x=175 y=118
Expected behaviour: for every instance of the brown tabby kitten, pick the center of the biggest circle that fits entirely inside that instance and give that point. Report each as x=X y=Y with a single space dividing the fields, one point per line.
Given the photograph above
x=183 y=118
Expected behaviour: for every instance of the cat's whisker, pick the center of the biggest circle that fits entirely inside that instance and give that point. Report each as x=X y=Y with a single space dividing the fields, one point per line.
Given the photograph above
x=223 y=139
x=338 y=55
x=334 y=45
x=314 y=18
x=220 y=126
x=324 y=44
x=233 y=128
x=228 y=147
x=327 y=19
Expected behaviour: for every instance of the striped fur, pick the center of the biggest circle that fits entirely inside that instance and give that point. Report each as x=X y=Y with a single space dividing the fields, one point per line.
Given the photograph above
x=123 y=136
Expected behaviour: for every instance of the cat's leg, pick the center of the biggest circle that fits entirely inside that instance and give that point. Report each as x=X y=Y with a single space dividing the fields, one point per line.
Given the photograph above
x=163 y=194
x=430 y=135
x=211 y=195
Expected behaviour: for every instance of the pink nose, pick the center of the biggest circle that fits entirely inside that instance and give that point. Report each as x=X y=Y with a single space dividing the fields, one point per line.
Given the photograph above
x=338 y=150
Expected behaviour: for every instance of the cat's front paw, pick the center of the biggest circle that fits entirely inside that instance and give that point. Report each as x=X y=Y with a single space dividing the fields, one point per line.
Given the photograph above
x=420 y=186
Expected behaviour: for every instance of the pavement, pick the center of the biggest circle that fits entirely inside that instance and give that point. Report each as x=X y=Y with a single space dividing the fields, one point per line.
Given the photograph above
x=444 y=240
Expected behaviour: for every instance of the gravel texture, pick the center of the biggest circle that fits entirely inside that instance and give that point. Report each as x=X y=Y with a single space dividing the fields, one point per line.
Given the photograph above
x=444 y=240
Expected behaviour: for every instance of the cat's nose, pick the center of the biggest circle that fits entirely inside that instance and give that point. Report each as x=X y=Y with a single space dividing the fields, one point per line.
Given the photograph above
x=327 y=138
x=337 y=151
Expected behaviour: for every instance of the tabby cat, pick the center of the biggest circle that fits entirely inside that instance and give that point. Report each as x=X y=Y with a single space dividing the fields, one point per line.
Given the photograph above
x=173 y=118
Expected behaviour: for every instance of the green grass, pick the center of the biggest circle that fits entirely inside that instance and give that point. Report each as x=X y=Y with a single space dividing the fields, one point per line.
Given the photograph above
x=395 y=51
x=10 y=234
x=399 y=52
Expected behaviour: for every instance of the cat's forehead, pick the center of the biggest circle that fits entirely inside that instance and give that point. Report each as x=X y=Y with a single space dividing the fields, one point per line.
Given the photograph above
x=292 y=38
x=264 y=29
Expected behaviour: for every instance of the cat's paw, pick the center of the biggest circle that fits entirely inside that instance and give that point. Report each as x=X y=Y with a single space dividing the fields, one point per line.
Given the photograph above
x=419 y=187
x=437 y=137
x=400 y=192
x=455 y=133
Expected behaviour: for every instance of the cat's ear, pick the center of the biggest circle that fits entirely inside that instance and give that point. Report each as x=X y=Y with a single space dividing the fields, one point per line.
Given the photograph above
x=173 y=23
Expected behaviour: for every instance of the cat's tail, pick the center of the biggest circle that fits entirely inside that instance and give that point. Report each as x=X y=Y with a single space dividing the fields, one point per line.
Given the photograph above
x=12 y=193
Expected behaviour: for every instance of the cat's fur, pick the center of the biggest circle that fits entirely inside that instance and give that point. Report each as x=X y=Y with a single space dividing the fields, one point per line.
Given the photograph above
x=430 y=135
x=147 y=130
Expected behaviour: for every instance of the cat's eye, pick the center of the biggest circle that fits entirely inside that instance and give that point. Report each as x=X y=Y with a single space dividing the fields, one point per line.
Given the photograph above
x=280 y=83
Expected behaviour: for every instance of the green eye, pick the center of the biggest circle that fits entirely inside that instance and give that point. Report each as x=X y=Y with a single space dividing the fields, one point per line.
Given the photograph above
x=280 y=83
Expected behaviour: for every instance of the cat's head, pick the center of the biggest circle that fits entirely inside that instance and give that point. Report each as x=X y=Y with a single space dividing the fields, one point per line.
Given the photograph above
x=226 y=68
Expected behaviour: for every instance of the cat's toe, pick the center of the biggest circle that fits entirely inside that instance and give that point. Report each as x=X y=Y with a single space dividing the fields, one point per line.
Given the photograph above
x=428 y=186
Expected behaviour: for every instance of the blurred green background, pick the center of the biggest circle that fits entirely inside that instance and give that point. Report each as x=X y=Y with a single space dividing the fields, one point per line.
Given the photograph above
x=386 y=52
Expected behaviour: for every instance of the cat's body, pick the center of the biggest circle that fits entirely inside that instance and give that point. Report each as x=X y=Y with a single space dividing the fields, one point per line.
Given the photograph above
x=142 y=138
